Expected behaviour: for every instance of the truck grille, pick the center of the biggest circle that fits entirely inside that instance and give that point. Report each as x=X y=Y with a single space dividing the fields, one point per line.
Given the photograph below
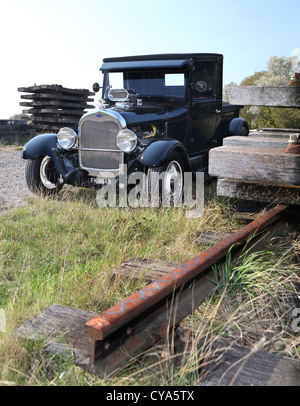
x=98 y=150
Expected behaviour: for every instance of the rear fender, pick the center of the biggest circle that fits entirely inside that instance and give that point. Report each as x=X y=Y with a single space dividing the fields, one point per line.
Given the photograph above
x=237 y=125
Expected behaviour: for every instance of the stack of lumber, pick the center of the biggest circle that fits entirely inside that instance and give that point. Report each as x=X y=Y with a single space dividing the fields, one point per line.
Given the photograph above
x=257 y=167
x=54 y=106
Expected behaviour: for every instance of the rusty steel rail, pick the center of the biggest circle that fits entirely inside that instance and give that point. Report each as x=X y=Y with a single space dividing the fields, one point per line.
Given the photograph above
x=144 y=319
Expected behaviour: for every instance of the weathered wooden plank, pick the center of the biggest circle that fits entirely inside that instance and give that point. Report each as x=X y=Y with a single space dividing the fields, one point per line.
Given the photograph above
x=256 y=142
x=61 y=327
x=210 y=237
x=55 y=119
x=255 y=164
x=283 y=133
x=57 y=103
x=55 y=88
x=234 y=365
x=50 y=127
x=272 y=96
x=53 y=112
x=55 y=96
x=145 y=268
x=259 y=192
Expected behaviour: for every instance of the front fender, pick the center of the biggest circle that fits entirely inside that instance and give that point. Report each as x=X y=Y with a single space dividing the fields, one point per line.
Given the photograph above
x=40 y=145
x=46 y=144
x=158 y=152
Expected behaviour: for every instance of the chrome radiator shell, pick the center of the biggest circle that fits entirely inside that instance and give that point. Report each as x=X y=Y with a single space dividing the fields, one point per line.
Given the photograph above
x=98 y=151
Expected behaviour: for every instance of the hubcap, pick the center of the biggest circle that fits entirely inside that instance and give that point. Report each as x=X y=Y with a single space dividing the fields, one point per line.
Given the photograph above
x=174 y=180
x=45 y=173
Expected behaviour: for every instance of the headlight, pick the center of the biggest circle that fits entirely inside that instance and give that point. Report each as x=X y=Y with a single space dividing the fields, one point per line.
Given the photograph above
x=126 y=140
x=66 y=138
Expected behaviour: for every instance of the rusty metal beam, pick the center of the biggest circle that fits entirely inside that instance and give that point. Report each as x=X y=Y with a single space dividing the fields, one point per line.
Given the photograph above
x=127 y=329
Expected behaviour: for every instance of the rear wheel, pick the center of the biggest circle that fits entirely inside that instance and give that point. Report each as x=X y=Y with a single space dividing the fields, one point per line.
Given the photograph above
x=244 y=131
x=42 y=176
x=165 y=183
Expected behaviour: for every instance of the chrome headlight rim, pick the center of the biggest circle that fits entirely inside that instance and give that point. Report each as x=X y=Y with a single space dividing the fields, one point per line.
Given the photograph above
x=66 y=138
x=127 y=140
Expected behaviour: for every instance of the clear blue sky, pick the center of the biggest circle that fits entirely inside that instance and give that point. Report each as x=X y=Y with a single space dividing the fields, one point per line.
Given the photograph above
x=64 y=41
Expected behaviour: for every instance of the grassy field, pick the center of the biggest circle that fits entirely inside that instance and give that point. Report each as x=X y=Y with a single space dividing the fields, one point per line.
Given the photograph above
x=63 y=250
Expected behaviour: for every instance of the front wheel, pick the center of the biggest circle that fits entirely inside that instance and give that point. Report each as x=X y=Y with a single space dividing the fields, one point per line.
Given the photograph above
x=165 y=183
x=42 y=176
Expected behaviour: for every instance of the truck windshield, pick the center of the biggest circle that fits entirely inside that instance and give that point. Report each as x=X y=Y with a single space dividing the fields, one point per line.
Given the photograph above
x=147 y=83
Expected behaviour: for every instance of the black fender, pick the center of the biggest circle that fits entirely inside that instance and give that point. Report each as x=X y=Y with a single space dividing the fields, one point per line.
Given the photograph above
x=237 y=125
x=159 y=151
x=46 y=144
x=41 y=145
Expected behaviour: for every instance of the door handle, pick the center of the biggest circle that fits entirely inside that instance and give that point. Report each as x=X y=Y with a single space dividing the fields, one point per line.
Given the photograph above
x=218 y=111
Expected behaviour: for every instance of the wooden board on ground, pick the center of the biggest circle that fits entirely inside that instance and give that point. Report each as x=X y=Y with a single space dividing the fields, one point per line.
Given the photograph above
x=259 y=191
x=210 y=237
x=62 y=328
x=234 y=365
x=145 y=268
x=255 y=164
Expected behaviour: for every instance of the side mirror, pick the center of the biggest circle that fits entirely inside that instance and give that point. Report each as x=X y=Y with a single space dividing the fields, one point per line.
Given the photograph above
x=96 y=87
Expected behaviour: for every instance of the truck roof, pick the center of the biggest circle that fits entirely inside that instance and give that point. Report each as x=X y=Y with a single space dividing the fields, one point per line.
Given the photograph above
x=158 y=61
x=163 y=57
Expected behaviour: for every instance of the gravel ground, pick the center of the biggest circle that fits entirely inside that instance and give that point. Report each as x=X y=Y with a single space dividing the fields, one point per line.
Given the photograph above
x=13 y=188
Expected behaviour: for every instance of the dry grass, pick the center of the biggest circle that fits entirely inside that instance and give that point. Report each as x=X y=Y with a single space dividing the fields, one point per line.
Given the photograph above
x=62 y=251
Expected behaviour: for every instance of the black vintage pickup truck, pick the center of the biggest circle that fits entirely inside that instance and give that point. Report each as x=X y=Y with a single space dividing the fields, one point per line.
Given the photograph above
x=157 y=114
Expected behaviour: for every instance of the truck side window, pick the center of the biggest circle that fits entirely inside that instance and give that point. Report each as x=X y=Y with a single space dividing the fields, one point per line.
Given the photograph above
x=204 y=85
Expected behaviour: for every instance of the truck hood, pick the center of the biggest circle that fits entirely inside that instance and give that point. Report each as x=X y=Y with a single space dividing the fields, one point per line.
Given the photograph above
x=149 y=113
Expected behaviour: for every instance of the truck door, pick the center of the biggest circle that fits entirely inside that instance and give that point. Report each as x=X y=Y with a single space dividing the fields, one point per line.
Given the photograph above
x=206 y=108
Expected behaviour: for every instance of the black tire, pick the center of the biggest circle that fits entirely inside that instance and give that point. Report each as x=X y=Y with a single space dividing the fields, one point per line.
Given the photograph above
x=161 y=188
x=42 y=177
x=244 y=131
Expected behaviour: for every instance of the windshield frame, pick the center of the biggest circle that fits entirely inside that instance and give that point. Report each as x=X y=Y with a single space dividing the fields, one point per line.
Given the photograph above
x=147 y=78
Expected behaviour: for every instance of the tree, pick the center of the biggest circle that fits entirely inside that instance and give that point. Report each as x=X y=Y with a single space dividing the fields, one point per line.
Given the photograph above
x=278 y=73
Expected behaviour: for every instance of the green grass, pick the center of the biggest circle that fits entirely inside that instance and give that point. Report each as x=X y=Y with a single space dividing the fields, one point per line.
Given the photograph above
x=64 y=250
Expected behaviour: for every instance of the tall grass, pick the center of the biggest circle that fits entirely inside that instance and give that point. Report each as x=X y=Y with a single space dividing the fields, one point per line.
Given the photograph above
x=63 y=251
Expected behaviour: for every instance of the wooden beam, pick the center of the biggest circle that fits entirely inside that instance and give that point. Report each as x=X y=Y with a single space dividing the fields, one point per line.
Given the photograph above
x=256 y=142
x=271 y=96
x=62 y=328
x=283 y=133
x=269 y=165
x=210 y=237
x=145 y=268
x=259 y=192
x=234 y=365
x=54 y=89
